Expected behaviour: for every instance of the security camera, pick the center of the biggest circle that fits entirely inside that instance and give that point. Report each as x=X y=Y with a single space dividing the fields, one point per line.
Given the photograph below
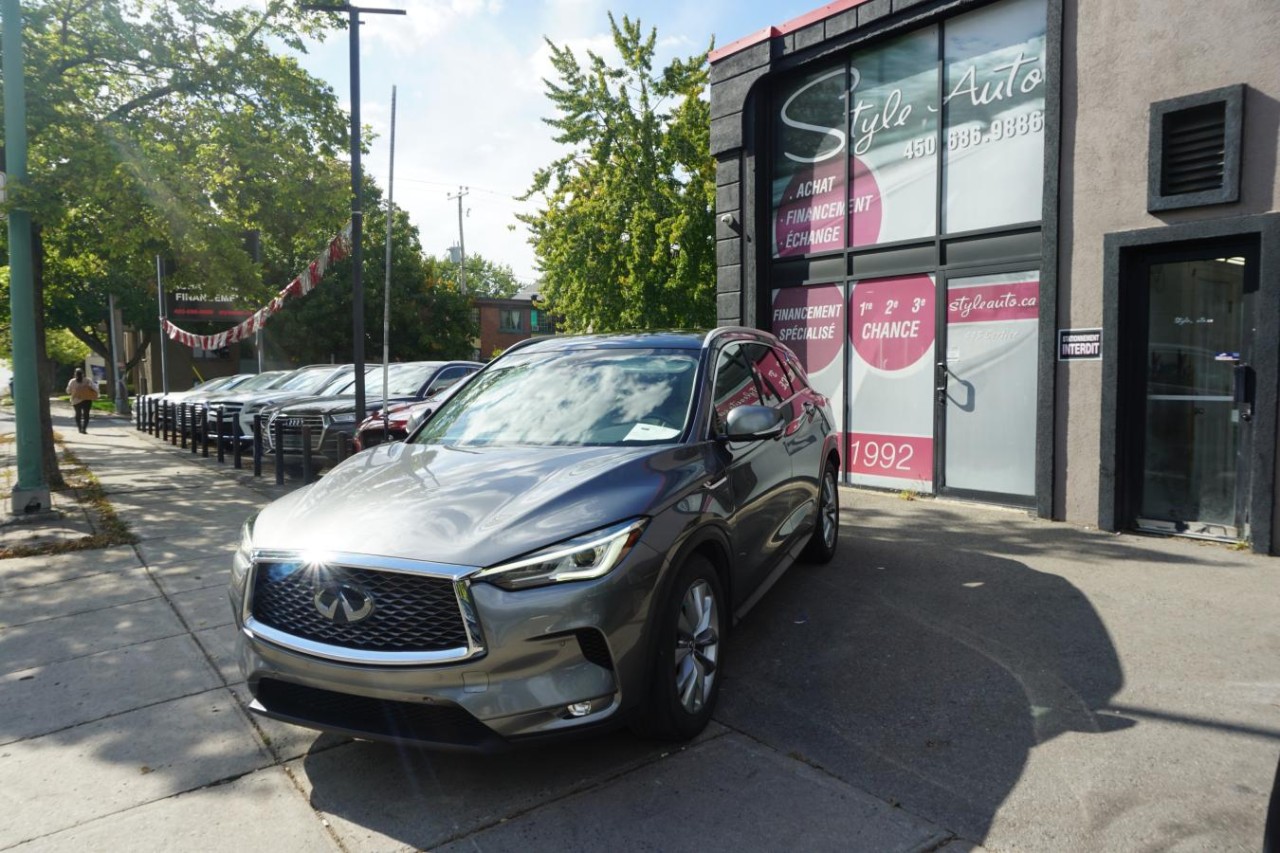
x=726 y=218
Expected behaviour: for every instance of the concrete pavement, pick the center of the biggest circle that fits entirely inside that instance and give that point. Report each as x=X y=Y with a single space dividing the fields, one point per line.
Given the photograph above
x=957 y=676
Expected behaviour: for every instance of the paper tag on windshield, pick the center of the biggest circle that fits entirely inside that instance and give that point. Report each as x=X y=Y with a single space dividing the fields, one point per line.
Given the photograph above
x=650 y=432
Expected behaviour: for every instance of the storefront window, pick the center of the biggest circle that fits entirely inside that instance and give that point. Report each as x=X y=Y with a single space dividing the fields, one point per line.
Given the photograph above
x=994 y=116
x=809 y=198
x=892 y=332
x=893 y=140
x=810 y=321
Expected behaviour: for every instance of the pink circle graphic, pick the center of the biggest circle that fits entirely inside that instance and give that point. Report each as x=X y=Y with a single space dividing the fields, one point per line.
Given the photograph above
x=865 y=210
x=810 y=320
x=891 y=320
x=815 y=212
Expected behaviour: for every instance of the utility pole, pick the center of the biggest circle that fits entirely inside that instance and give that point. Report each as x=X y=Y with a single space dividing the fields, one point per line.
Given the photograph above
x=31 y=494
x=357 y=192
x=386 y=289
x=462 y=244
x=164 y=365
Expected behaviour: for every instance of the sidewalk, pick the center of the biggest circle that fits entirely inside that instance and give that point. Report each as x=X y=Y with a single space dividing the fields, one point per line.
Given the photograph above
x=957 y=675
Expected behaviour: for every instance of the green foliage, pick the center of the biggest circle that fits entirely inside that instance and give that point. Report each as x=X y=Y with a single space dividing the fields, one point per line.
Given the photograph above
x=485 y=278
x=625 y=236
x=62 y=347
x=429 y=318
x=169 y=127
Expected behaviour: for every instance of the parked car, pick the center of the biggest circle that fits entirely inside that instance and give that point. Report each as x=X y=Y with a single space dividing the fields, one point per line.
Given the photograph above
x=560 y=548
x=395 y=421
x=332 y=420
x=217 y=383
x=304 y=382
x=211 y=398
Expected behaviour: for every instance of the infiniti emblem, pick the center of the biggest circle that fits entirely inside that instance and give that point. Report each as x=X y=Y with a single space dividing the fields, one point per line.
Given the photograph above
x=343 y=603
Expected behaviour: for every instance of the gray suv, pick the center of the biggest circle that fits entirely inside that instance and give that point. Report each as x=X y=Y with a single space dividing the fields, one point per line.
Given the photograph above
x=562 y=546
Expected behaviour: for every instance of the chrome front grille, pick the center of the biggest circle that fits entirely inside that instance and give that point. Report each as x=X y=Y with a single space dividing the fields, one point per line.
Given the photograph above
x=410 y=612
x=289 y=430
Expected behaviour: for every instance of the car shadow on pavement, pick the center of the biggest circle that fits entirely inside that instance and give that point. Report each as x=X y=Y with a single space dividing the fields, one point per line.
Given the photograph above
x=426 y=799
x=922 y=667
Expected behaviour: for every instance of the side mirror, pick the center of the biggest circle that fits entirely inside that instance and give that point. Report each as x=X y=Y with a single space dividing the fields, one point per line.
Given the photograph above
x=753 y=423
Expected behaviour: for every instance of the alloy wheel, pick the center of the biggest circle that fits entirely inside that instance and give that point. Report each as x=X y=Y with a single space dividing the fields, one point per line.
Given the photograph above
x=697 y=646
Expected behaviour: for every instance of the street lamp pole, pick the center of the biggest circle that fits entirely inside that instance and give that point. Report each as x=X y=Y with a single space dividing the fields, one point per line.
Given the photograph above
x=357 y=192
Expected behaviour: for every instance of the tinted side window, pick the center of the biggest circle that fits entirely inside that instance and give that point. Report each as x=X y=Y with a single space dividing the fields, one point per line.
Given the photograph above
x=794 y=372
x=450 y=375
x=735 y=384
x=771 y=373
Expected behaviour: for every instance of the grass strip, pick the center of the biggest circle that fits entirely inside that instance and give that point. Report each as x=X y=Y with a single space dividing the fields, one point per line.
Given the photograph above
x=111 y=529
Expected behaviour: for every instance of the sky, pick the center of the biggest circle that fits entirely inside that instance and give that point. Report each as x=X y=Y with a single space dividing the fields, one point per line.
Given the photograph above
x=470 y=98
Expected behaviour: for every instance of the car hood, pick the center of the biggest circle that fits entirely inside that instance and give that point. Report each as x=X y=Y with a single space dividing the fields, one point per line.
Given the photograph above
x=330 y=405
x=270 y=399
x=476 y=506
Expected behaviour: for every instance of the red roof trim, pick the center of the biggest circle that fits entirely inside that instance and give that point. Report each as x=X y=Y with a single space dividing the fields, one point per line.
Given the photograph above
x=819 y=14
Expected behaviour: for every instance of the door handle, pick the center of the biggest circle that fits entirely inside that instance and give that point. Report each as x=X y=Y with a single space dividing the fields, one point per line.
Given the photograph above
x=1244 y=387
x=940 y=373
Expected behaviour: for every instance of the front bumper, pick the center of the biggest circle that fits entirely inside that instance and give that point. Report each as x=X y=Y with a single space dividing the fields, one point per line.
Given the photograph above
x=542 y=650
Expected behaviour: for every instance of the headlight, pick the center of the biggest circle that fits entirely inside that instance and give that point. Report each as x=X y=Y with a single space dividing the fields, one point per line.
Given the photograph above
x=243 y=558
x=343 y=418
x=590 y=555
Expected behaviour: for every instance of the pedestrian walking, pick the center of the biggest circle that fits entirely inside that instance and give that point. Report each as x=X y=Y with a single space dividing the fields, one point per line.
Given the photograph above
x=82 y=393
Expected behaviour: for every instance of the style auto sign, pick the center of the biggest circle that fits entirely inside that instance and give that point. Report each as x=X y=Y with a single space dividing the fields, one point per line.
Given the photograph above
x=836 y=185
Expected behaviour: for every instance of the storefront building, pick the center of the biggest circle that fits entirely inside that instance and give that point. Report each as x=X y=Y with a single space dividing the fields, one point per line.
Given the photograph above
x=1029 y=248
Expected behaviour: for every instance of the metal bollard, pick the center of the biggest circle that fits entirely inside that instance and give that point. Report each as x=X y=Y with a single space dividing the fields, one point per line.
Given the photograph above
x=257 y=445
x=204 y=432
x=217 y=436
x=191 y=416
x=182 y=425
x=306 y=454
x=168 y=423
x=137 y=412
x=235 y=444
x=279 y=451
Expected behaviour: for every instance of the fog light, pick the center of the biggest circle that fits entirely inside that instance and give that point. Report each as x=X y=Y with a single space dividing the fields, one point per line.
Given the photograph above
x=579 y=709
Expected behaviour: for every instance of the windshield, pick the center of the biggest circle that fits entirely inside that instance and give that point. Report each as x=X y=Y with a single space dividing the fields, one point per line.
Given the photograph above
x=307 y=379
x=405 y=379
x=610 y=397
x=222 y=382
x=262 y=380
x=346 y=384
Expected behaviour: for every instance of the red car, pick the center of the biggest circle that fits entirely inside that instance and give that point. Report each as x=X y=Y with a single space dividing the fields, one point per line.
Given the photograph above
x=401 y=419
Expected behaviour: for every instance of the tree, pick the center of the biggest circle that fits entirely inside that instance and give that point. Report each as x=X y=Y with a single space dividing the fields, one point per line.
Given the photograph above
x=485 y=279
x=625 y=237
x=170 y=127
x=430 y=319
x=62 y=347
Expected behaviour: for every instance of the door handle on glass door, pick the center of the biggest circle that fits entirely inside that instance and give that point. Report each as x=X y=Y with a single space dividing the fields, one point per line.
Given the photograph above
x=1243 y=380
x=940 y=382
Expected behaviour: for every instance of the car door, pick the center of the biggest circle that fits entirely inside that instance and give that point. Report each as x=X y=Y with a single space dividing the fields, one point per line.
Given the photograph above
x=807 y=434
x=759 y=472
x=802 y=438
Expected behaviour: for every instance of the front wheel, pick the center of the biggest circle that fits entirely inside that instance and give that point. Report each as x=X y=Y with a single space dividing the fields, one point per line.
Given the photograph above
x=826 y=532
x=688 y=655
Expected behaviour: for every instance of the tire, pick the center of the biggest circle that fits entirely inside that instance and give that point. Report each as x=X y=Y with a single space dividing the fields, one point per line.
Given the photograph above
x=688 y=656
x=826 y=532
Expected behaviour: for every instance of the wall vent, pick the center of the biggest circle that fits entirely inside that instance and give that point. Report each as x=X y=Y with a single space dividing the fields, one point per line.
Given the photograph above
x=1195 y=147
x=1194 y=150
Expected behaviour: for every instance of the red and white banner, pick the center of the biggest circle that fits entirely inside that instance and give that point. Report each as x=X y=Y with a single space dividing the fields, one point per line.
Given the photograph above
x=305 y=282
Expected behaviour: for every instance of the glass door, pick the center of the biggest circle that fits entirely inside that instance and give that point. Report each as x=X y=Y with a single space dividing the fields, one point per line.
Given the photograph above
x=986 y=385
x=1198 y=388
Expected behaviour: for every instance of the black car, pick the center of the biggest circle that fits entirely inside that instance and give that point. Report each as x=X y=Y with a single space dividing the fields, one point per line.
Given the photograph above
x=562 y=546
x=331 y=420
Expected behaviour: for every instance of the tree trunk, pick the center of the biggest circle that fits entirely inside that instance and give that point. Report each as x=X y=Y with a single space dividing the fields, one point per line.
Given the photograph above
x=44 y=368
